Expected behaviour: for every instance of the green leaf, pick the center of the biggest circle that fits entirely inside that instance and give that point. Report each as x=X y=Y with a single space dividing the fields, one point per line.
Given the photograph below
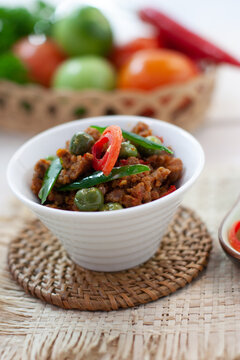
x=138 y=140
x=98 y=177
x=49 y=180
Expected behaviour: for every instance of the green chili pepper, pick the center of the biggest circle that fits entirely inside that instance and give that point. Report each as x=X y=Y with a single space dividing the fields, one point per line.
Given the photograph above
x=50 y=178
x=98 y=177
x=138 y=140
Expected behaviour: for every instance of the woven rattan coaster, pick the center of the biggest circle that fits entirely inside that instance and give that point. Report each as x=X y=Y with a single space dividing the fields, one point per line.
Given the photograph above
x=41 y=266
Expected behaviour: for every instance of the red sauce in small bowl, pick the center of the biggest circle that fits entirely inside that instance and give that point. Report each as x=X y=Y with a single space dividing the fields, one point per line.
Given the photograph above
x=234 y=235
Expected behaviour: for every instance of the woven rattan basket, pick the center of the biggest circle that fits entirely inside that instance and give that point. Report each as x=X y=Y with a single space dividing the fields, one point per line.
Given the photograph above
x=32 y=108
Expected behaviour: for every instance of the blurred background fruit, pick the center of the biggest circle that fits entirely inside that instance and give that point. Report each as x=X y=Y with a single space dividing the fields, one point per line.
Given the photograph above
x=41 y=57
x=18 y=22
x=86 y=72
x=42 y=37
x=79 y=45
x=152 y=68
x=122 y=54
x=15 y=23
x=12 y=68
x=85 y=31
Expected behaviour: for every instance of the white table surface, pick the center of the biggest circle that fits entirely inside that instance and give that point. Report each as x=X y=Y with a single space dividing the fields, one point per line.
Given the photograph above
x=220 y=135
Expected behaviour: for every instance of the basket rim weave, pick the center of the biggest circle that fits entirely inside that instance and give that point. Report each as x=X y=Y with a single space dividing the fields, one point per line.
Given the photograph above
x=31 y=108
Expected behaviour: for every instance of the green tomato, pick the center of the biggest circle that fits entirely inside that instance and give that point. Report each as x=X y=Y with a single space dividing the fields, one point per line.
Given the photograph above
x=90 y=199
x=86 y=72
x=84 y=31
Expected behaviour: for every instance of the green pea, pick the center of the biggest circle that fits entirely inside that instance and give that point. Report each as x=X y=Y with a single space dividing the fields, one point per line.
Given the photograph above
x=148 y=152
x=50 y=158
x=111 y=206
x=127 y=149
x=81 y=143
x=90 y=199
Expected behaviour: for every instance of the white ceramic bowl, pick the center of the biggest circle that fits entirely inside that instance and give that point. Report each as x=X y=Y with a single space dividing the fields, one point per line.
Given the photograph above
x=106 y=241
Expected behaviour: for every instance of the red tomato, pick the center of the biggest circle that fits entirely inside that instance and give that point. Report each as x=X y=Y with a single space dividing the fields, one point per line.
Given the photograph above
x=41 y=57
x=122 y=54
x=150 y=69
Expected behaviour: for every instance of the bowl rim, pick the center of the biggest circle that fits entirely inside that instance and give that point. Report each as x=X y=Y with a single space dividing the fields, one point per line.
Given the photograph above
x=227 y=247
x=102 y=214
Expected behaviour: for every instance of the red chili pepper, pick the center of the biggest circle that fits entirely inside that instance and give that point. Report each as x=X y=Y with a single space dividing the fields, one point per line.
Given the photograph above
x=234 y=236
x=112 y=136
x=170 y=190
x=182 y=39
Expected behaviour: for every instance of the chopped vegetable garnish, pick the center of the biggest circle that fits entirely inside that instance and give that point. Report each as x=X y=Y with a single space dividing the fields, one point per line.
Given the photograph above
x=234 y=236
x=50 y=178
x=99 y=178
x=138 y=140
x=112 y=136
